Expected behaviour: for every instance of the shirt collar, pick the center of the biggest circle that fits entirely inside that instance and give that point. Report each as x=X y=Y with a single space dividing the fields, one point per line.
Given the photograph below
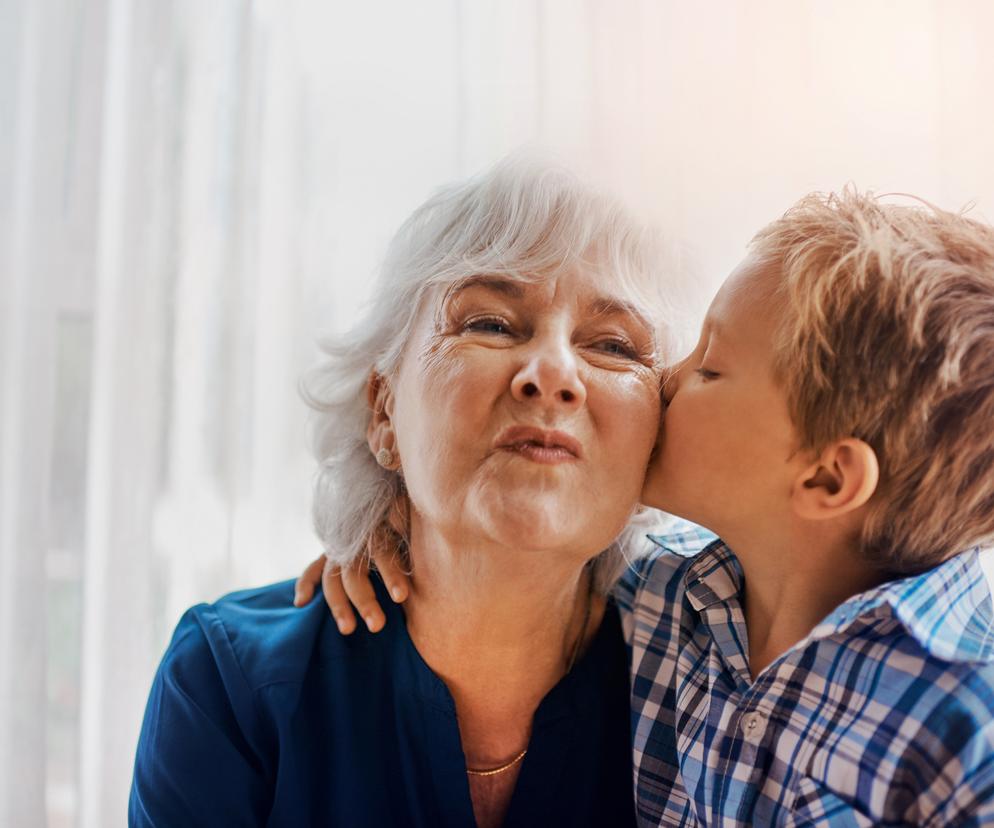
x=947 y=610
x=713 y=576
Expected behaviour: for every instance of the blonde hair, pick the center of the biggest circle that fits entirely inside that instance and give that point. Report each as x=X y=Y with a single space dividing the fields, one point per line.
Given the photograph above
x=888 y=336
x=524 y=219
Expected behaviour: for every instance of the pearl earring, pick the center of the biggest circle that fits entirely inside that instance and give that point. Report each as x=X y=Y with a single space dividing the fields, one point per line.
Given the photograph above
x=384 y=457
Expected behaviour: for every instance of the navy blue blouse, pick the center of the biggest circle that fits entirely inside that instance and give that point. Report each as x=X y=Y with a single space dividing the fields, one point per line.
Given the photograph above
x=262 y=714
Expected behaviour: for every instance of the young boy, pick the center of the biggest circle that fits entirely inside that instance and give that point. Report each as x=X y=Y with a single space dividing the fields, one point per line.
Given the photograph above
x=835 y=427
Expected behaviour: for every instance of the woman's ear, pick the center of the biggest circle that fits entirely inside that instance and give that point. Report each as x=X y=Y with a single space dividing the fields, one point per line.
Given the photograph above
x=843 y=478
x=380 y=435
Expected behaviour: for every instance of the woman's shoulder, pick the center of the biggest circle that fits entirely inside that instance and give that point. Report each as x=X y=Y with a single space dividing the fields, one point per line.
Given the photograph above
x=258 y=637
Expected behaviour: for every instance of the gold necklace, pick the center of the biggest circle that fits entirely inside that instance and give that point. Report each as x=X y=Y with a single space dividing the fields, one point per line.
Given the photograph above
x=569 y=666
x=501 y=769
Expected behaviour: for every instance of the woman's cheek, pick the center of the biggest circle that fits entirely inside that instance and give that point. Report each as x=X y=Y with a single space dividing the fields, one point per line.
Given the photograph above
x=631 y=417
x=643 y=404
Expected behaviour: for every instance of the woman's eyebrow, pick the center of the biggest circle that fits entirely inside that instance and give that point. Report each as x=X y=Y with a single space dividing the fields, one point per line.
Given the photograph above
x=498 y=284
x=607 y=305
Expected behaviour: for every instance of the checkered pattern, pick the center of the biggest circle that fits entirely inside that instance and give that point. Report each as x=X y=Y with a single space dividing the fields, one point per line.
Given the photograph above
x=883 y=715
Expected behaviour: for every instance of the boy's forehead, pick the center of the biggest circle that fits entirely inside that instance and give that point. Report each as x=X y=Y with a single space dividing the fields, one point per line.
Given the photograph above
x=752 y=280
x=747 y=304
x=747 y=310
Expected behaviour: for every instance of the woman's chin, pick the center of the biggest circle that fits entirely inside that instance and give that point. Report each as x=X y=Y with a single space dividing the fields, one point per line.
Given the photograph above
x=534 y=520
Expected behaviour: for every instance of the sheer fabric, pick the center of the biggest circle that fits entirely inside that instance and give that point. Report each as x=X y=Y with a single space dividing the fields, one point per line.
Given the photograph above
x=190 y=192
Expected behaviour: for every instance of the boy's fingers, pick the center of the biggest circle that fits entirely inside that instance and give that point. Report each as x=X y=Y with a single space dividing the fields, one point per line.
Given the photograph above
x=360 y=591
x=383 y=550
x=303 y=590
x=336 y=599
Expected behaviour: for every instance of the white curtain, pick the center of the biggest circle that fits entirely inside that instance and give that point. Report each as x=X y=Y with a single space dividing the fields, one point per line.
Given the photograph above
x=190 y=192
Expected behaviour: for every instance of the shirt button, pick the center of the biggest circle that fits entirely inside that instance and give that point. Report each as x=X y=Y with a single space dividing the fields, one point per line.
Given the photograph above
x=753 y=726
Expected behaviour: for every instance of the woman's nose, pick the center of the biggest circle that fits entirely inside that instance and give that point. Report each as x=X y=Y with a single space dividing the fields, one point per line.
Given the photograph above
x=550 y=377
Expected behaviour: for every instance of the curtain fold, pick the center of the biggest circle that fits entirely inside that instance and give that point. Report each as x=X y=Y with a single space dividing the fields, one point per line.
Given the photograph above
x=29 y=221
x=126 y=408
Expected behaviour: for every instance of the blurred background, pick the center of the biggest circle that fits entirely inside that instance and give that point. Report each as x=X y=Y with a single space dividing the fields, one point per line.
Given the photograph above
x=190 y=192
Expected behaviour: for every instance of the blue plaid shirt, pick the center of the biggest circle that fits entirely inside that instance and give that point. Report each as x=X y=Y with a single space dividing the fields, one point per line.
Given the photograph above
x=882 y=715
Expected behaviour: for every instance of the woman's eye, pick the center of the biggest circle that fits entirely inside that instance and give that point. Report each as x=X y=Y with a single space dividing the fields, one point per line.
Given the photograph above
x=488 y=324
x=705 y=374
x=617 y=347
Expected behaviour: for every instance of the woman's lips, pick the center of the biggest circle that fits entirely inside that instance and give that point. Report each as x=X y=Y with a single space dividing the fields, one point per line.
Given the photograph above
x=540 y=445
x=542 y=454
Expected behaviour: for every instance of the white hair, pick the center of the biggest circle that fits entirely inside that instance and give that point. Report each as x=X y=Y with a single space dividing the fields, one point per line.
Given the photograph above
x=523 y=219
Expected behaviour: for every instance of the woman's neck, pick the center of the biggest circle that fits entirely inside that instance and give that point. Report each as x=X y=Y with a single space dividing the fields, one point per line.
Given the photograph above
x=499 y=626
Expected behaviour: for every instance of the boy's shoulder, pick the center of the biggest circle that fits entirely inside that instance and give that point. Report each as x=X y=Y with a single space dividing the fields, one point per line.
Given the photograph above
x=948 y=610
x=915 y=660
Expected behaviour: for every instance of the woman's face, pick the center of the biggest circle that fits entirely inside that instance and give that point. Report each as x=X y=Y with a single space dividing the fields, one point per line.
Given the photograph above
x=525 y=414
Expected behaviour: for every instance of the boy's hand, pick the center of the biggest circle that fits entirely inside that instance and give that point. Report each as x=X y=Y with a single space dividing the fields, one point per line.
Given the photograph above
x=341 y=587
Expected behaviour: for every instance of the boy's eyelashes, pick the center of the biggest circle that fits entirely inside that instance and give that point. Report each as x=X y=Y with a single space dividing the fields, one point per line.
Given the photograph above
x=706 y=374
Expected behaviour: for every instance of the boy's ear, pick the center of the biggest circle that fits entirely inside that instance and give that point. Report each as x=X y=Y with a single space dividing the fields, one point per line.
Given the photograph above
x=379 y=433
x=843 y=478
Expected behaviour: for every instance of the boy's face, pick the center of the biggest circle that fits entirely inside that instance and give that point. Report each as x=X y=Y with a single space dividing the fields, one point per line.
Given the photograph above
x=726 y=452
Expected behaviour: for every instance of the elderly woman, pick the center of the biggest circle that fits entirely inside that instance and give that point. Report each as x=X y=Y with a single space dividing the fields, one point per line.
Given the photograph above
x=504 y=387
